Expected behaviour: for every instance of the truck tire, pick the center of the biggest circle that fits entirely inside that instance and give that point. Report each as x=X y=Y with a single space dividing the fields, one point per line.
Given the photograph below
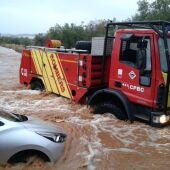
x=36 y=85
x=108 y=107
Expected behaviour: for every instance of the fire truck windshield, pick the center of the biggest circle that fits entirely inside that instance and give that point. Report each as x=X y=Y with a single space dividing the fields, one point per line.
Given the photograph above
x=162 y=54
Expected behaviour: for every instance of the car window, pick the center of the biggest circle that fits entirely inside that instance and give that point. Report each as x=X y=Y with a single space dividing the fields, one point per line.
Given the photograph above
x=8 y=116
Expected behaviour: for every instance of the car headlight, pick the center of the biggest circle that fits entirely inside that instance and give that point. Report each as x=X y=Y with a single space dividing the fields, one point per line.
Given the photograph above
x=54 y=137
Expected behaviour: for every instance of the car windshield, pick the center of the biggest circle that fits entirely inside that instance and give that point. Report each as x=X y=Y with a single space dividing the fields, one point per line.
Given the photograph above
x=9 y=116
x=162 y=54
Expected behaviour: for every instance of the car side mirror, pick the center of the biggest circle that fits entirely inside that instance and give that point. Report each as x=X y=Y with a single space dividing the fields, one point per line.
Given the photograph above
x=1 y=123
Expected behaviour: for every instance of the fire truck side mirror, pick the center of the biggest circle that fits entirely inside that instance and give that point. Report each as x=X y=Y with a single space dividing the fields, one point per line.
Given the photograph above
x=145 y=81
x=167 y=29
x=142 y=44
x=141 y=54
x=141 y=59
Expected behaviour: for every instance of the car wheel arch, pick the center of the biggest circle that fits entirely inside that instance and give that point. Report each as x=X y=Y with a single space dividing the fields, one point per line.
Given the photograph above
x=29 y=153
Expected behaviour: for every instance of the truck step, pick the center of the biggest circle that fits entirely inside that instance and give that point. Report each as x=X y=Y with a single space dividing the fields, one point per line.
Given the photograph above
x=143 y=117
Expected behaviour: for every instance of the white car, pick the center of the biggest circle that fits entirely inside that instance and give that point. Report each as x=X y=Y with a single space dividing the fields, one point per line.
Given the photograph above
x=22 y=137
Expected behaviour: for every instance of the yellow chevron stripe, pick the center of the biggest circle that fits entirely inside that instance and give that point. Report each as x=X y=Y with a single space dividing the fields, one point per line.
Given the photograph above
x=67 y=91
x=37 y=67
x=35 y=62
x=54 y=72
x=44 y=73
x=58 y=75
x=38 y=62
x=53 y=75
x=165 y=79
x=49 y=72
x=66 y=82
x=57 y=89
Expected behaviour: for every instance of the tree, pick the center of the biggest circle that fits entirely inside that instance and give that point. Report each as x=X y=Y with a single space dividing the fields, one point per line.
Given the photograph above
x=70 y=33
x=40 y=39
x=156 y=10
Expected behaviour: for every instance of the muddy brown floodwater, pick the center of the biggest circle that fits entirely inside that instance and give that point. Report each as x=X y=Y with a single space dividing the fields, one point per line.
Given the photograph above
x=94 y=142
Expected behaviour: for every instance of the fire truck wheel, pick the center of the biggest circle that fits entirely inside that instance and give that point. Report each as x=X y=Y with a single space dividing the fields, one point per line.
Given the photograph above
x=108 y=107
x=36 y=85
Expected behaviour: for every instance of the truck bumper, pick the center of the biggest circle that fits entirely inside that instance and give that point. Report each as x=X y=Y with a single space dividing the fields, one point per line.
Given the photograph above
x=159 y=119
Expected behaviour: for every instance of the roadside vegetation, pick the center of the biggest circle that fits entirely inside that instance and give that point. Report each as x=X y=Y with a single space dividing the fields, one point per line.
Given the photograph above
x=18 y=44
x=70 y=33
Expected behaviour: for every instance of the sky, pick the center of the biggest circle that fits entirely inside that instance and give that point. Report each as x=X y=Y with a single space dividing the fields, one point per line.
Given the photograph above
x=37 y=16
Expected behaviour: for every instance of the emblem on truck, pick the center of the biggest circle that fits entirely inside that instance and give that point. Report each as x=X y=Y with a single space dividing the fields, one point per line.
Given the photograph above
x=132 y=75
x=120 y=73
x=24 y=72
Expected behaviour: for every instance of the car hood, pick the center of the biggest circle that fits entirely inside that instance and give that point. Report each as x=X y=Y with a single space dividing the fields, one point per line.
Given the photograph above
x=37 y=125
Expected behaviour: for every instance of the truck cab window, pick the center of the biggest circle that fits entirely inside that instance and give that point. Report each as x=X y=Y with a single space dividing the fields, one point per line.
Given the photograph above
x=162 y=54
x=128 y=53
x=131 y=53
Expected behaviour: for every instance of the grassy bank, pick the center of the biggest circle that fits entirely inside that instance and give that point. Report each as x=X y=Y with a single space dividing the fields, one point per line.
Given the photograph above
x=15 y=47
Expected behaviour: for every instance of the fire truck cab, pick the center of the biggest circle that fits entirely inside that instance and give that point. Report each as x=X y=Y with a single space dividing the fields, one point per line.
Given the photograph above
x=125 y=73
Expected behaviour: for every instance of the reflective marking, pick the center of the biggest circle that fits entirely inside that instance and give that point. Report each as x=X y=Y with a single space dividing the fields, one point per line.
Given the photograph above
x=46 y=78
x=61 y=83
x=132 y=75
x=50 y=73
x=66 y=82
x=69 y=61
x=38 y=68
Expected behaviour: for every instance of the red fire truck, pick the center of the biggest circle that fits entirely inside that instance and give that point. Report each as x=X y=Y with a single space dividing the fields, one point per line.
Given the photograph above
x=126 y=73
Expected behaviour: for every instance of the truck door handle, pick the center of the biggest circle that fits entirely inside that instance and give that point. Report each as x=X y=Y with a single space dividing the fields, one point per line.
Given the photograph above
x=118 y=84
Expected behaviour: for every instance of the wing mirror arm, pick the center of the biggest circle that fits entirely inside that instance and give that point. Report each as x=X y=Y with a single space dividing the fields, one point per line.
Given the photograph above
x=141 y=54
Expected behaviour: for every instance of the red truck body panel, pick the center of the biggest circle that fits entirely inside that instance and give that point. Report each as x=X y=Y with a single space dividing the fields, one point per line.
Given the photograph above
x=68 y=74
x=73 y=75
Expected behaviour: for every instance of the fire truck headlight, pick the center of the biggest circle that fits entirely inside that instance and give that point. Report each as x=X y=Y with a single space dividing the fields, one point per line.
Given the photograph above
x=163 y=119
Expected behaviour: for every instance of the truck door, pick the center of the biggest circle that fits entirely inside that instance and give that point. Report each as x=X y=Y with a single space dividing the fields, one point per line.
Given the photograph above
x=132 y=68
x=163 y=63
